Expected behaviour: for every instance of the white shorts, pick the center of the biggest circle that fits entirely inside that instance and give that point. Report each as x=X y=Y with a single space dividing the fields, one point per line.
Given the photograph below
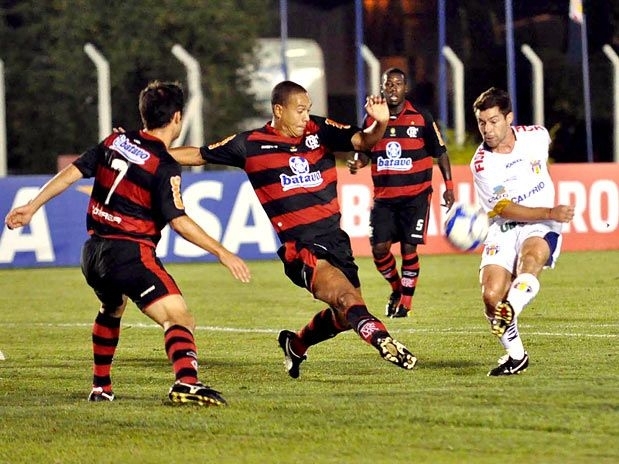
x=504 y=242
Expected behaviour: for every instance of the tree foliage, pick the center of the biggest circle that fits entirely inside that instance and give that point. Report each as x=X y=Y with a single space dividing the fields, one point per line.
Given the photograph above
x=51 y=84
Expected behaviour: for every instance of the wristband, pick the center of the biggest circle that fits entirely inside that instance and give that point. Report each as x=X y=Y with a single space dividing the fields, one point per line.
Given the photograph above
x=449 y=184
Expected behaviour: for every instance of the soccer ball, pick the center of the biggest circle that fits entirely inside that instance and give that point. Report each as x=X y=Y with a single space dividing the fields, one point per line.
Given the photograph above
x=466 y=226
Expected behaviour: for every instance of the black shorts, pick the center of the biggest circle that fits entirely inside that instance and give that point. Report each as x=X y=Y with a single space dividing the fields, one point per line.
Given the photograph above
x=403 y=220
x=114 y=268
x=300 y=258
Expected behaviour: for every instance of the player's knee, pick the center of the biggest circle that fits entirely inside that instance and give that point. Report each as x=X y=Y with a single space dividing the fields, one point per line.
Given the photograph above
x=380 y=250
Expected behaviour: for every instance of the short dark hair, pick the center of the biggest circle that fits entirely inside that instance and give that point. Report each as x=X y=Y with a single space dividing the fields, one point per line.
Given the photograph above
x=494 y=97
x=282 y=91
x=390 y=71
x=158 y=102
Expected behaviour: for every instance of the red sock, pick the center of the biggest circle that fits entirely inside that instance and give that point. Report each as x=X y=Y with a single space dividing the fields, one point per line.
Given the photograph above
x=410 y=274
x=180 y=347
x=324 y=325
x=388 y=268
x=366 y=325
x=105 y=334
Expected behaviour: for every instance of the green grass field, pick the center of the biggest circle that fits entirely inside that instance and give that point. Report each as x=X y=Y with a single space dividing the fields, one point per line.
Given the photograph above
x=348 y=406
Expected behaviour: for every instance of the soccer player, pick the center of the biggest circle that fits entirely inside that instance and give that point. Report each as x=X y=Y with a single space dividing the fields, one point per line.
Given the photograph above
x=402 y=176
x=291 y=165
x=514 y=187
x=136 y=192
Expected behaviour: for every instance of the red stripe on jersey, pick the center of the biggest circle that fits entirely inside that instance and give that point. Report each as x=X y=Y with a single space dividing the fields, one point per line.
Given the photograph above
x=148 y=259
x=305 y=216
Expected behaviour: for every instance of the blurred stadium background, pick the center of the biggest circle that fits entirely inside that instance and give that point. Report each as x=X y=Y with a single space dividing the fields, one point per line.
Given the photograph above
x=228 y=54
x=51 y=84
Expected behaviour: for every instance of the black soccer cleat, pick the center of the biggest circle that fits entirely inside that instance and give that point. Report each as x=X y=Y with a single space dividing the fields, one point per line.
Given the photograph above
x=394 y=352
x=402 y=311
x=97 y=394
x=503 y=316
x=511 y=366
x=196 y=393
x=392 y=304
x=292 y=361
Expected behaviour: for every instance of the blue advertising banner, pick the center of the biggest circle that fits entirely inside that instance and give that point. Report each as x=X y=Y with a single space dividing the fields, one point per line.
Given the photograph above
x=222 y=202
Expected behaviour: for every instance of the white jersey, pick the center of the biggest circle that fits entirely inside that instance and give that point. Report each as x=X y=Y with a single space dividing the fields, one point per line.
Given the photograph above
x=521 y=176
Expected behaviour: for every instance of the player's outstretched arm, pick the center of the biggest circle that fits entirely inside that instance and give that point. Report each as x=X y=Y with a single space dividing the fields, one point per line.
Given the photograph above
x=192 y=232
x=22 y=215
x=510 y=210
x=187 y=156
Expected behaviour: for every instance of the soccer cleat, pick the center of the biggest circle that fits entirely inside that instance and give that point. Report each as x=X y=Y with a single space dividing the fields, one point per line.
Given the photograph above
x=292 y=361
x=393 y=351
x=98 y=394
x=510 y=367
x=402 y=311
x=196 y=393
x=503 y=316
x=392 y=304
x=502 y=359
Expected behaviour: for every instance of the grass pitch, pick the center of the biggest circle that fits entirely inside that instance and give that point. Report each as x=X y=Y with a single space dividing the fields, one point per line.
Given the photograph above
x=348 y=406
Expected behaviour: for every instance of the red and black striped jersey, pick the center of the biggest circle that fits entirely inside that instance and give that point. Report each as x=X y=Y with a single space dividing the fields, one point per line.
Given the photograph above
x=136 y=190
x=402 y=160
x=294 y=178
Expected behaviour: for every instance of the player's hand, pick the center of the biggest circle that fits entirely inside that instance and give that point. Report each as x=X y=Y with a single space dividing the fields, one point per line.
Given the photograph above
x=236 y=266
x=356 y=163
x=118 y=130
x=19 y=217
x=376 y=107
x=449 y=198
x=562 y=213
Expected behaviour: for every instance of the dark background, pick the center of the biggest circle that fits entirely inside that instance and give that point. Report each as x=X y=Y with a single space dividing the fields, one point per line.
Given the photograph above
x=405 y=33
x=51 y=85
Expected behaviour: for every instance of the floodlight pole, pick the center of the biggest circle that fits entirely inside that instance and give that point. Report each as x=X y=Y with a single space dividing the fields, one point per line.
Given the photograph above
x=538 y=84
x=458 y=83
x=374 y=66
x=193 y=112
x=104 y=90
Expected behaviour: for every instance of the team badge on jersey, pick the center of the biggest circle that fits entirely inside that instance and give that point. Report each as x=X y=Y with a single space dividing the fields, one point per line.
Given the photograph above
x=394 y=160
x=536 y=166
x=412 y=132
x=491 y=250
x=302 y=177
x=312 y=141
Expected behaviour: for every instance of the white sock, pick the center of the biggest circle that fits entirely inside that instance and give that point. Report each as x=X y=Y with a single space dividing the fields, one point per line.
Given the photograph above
x=522 y=290
x=512 y=342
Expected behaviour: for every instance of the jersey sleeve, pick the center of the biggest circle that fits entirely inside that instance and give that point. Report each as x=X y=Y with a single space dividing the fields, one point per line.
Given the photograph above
x=167 y=199
x=483 y=188
x=87 y=161
x=432 y=136
x=230 y=151
x=334 y=135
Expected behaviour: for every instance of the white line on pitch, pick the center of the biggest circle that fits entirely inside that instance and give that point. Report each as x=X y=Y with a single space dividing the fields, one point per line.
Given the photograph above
x=446 y=331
